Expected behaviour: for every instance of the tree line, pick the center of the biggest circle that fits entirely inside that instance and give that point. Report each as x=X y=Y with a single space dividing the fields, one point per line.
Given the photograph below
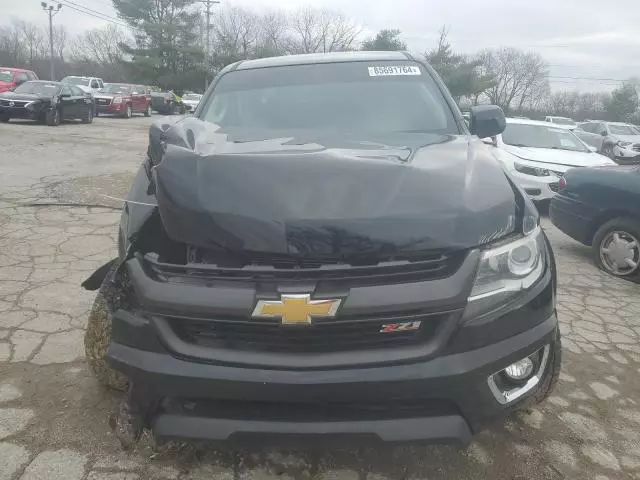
x=164 y=44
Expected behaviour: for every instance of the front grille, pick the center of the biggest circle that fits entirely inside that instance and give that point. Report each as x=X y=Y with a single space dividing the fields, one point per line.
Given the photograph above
x=366 y=409
x=13 y=103
x=103 y=101
x=555 y=187
x=352 y=333
x=286 y=268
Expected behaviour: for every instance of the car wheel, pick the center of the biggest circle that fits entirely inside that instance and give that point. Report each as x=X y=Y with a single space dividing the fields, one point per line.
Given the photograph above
x=147 y=112
x=128 y=112
x=607 y=151
x=88 y=117
x=616 y=247
x=98 y=337
x=53 y=117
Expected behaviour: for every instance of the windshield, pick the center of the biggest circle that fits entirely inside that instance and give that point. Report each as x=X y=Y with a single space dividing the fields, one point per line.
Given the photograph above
x=563 y=121
x=111 y=88
x=541 y=136
x=622 y=130
x=38 y=88
x=192 y=96
x=6 y=76
x=76 y=81
x=345 y=98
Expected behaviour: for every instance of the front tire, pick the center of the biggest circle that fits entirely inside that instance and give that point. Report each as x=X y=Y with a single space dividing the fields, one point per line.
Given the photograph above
x=53 y=117
x=88 y=116
x=616 y=247
x=98 y=337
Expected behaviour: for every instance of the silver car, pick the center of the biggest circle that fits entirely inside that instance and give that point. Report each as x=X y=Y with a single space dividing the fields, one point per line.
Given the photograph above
x=618 y=141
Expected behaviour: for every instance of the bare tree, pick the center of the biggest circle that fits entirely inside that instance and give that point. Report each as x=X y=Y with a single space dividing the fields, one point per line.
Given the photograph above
x=518 y=76
x=320 y=30
x=100 y=45
x=60 y=41
x=34 y=41
x=274 y=33
x=235 y=32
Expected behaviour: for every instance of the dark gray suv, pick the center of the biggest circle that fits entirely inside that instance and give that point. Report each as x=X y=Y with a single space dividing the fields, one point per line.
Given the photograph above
x=324 y=249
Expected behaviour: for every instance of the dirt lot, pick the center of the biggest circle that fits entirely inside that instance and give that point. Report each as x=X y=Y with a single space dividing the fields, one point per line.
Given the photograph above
x=54 y=417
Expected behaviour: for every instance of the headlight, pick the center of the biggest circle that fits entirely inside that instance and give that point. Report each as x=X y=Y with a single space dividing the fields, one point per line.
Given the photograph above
x=534 y=171
x=623 y=144
x=117 y=100
x=510 y=268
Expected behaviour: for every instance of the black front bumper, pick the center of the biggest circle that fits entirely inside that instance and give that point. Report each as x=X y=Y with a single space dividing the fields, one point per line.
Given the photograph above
x=442 y=400
x=26 y=113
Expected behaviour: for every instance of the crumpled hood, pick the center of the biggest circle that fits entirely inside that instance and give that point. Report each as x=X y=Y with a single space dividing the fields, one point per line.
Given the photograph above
x=559 y=157
x=329 y=196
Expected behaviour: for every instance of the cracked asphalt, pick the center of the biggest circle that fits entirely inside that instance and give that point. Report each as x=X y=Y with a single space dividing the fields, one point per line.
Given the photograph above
x=54 y=416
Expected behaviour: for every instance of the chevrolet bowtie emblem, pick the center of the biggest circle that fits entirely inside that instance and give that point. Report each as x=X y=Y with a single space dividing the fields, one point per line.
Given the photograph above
x=296 y=309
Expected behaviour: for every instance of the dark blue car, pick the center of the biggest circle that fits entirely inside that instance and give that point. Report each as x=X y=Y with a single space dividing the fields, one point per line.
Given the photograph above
x=600 y=207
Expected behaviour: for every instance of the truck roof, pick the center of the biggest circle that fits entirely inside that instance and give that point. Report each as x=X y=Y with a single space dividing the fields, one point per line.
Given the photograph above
x=332 y=57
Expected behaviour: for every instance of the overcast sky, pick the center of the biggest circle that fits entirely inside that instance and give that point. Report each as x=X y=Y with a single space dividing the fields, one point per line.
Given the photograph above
x=580 y=39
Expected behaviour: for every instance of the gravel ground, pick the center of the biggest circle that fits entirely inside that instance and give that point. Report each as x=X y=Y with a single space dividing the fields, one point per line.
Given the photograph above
x=53 y=415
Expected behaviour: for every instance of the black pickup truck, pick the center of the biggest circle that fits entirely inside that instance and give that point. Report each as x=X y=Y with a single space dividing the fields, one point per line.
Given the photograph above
x=325 y=250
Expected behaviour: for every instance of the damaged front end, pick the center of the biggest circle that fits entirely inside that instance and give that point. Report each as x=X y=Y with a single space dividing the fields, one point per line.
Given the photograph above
x=213 y=223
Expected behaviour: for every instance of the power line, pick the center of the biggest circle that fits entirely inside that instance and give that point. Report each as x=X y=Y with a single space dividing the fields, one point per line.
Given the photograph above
x=94 y=13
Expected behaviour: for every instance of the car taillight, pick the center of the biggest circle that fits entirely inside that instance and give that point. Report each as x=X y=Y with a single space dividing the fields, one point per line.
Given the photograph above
x=562 y=184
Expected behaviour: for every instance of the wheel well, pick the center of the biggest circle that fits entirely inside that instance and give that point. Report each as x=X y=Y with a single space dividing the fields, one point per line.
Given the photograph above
x=604 y=217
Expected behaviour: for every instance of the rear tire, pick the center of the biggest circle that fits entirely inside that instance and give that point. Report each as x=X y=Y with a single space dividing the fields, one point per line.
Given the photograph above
x=628 y=231
x=98 y=337
x=52 y=118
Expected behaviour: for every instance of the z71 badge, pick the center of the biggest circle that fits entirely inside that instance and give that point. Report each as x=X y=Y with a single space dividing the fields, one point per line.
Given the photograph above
x=400 y=327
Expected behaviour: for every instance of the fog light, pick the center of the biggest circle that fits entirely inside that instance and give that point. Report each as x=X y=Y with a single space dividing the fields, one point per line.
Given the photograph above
x=520 y=370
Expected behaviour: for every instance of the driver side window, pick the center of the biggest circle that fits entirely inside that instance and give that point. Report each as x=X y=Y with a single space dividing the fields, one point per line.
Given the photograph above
x=65 y=91
x=95 y=84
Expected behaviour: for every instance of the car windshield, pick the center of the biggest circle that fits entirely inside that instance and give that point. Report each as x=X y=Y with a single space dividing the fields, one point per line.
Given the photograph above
x=192 y=96
x=542 y=136
x=111 y=88
x=622 y=130
x=76 y=81
x=345 y=98
x=6 y=76
x=38 y=88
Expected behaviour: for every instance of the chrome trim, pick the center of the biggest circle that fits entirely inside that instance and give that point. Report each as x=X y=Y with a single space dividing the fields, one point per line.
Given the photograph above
x=505 y=398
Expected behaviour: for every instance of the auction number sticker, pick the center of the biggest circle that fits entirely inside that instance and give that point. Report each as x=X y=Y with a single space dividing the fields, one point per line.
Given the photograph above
x=390 y=71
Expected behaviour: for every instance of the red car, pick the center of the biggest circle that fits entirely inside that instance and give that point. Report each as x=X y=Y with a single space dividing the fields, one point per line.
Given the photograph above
x=123 y=99
x=12 y=77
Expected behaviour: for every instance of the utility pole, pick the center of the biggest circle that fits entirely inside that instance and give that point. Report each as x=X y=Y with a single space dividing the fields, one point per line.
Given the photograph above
x=208 y=4
x=52 y=11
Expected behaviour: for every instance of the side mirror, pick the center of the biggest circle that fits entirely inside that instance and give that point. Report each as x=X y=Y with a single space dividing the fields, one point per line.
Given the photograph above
x=487 y=121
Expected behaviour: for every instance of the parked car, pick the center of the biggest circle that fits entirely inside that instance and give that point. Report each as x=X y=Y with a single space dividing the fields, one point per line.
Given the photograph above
x=90 y=85
x=47 y=102
x=340 y=247
x=618 y=141
x=123 y=100
x=12 y=77
x=166 y=103
x=600 y=207
x=569 y=122
x=191 y=101
x=536 y=154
